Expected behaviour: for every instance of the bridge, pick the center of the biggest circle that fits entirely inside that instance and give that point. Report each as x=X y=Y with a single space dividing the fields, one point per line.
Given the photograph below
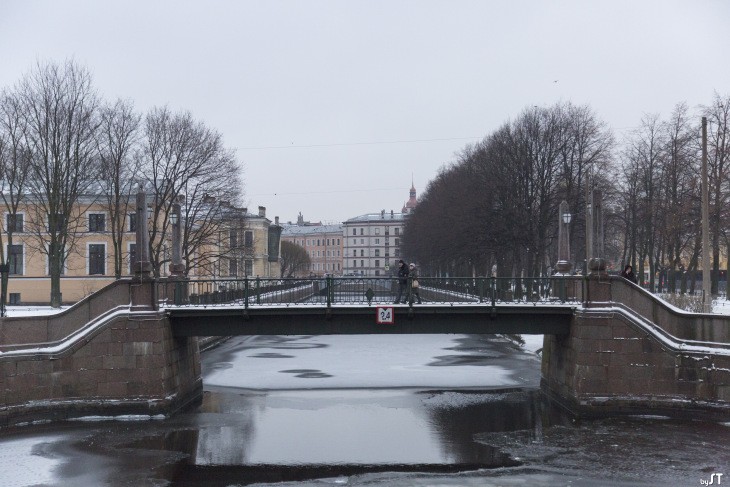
x=345 y=306
x=133 y=347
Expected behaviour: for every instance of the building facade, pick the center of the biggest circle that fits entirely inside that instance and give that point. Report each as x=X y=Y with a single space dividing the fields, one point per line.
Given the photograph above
x=244 y=248
x=372 y=243
x=323 y=244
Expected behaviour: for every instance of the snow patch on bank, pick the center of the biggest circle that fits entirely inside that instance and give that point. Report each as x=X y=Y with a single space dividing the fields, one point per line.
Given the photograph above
x=25 y=464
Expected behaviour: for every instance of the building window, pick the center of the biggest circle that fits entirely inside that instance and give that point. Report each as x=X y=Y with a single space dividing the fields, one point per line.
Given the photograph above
x=232 y=267
x=354 y=263
x=97 y=259
x=377 y=252
x=377 y=241
x=377 y=272
x=362 y=263
x=248 y=265
x=362 y=231
x=362 y=252
x=15 y=259
x=362 y=241
x=233 y=238
x=397 y=231
x=14 y=223
x=97 y=222
x=354 y=231
x=377 y=231
x=248 y=239
x=397 y=253
x=397 y=242
x=387 y=230
x=132 y=222
x=338 y=241
x=377 y=263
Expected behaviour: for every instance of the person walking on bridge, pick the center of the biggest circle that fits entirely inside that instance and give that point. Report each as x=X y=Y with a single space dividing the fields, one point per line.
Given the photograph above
x=413 y=273
x=402 y=282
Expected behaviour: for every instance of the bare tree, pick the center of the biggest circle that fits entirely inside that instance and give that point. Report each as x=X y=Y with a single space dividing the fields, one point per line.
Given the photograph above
x=718 y=163
x=60 y=108
x=294 y=259
x=14 y=161
x=182 y=158
x=116 y=139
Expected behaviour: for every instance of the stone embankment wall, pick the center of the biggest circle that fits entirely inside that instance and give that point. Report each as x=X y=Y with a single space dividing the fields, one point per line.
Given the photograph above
x=101 y=356
x=630 y=352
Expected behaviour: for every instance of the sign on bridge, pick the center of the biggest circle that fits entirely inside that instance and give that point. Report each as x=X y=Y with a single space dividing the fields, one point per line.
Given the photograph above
x=385 y=315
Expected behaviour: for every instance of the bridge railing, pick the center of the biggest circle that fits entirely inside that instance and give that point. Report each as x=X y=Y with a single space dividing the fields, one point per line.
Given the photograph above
x=369 y=290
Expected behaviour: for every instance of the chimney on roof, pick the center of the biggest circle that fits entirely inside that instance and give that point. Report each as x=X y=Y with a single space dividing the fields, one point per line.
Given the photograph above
x=262 y=211
x=391 y=213
x=382 y=214
x=276 y=220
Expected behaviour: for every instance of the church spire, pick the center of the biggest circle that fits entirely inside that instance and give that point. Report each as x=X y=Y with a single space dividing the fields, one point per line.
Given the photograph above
x=412 y=200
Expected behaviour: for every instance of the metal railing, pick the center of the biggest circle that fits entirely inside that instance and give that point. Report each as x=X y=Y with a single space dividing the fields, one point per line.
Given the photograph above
x=332 y=291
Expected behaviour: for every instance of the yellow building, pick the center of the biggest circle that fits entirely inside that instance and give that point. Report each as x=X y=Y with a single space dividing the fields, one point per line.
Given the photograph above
x=90 y=252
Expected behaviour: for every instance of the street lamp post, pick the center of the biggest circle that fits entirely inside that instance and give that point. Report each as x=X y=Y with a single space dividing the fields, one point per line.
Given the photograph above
x=563 y=265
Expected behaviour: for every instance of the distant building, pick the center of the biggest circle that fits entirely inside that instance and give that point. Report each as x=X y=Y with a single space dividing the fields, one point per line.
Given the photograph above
x=372 y=242
x=410 y=205
x=323 y=244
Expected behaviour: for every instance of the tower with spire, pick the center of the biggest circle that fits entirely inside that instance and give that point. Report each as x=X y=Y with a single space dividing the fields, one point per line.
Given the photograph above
x=412 y=200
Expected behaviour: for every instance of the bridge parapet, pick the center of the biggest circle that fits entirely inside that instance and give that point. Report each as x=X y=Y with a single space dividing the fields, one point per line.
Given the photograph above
x=615 y=291
x=628 y=351
x=101 y=356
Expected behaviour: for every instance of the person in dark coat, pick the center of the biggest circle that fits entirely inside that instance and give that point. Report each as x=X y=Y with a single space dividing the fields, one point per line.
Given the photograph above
x=402 y=282
x=628 y=274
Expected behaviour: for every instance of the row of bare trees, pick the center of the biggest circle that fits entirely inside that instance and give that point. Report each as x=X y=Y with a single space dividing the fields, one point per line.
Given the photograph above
x=63 y=149
x=498 y=203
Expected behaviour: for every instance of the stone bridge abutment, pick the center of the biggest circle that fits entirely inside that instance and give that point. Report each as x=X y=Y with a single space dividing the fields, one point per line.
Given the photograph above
x=112 y=353
x=629 y=352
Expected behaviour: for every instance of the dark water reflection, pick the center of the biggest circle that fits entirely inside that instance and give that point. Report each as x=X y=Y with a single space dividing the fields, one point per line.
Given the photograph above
x=385 y=437
x=287 y=436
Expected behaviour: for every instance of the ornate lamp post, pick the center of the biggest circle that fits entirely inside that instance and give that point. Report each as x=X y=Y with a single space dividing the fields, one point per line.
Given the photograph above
x=177 y=268
x=563 y=265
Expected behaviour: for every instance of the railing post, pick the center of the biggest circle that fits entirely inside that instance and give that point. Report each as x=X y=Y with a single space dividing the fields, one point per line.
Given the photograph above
x=245 y=292
x=258 y=290
x=493 y=285
x=480 y=285
x=328 y=290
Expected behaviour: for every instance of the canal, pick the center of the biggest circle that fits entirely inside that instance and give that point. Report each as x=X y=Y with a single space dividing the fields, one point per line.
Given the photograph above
x=397 y=410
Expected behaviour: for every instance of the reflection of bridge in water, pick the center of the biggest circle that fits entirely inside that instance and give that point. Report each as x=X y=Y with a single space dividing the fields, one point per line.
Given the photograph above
x=132 y=347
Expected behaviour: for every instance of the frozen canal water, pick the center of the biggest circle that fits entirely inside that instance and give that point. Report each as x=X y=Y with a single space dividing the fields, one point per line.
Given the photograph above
x=411 y=410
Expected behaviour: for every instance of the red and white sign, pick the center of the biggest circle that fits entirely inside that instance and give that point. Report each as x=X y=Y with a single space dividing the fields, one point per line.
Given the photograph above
x=385 y=315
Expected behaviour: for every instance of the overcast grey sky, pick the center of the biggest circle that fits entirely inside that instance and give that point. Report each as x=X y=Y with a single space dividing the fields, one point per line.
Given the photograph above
x=334 y=105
